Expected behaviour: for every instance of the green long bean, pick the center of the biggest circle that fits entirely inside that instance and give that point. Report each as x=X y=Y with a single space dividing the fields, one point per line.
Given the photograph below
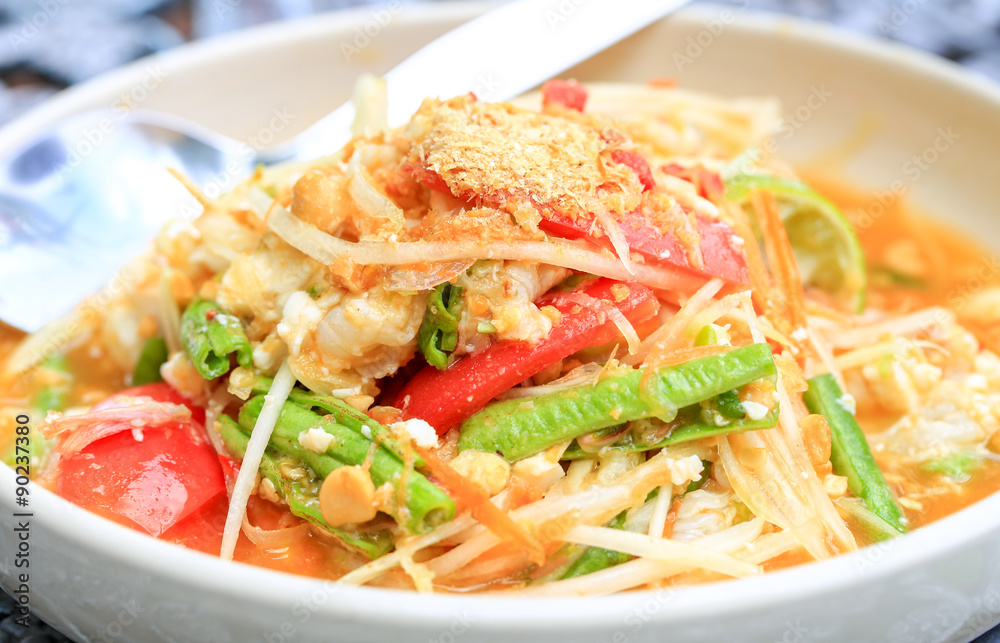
x=425 y=504
x=520 y=428
x=594 y=559
x=850 y=455
x=210 y=336
x=686 y=433
x=153 y=355
x=302 y=501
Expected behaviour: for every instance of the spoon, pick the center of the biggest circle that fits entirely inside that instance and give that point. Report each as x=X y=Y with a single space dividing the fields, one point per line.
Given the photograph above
x=86 y=195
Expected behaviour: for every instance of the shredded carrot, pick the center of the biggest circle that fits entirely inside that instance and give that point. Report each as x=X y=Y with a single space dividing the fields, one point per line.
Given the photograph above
x=470 y=496
x=668 y=526
x=760 y=280
x=781 y=259
x=681 y=355
x=523 y=492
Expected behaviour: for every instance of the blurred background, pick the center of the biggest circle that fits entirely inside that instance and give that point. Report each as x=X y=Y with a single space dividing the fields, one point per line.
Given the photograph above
x=48 y=45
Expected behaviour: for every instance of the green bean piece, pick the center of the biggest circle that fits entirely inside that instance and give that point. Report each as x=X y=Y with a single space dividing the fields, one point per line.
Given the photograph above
x=152 y=357
x=706 y=473
x=594 y=559
x=342 y=412
x=850 y=455
x=957 y=466
x=302 y=501
x=438 y=334
x=210 y=336
x=54 y=394
x=686 y=433
x=706 y=336
x=519 y=428
x=425 y=504
x=728 y=404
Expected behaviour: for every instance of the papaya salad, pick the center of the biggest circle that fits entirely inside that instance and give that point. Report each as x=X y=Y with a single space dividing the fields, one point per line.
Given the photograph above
x=593 y=340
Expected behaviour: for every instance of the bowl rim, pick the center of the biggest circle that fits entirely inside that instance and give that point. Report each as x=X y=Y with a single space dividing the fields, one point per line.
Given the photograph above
x=255 y=585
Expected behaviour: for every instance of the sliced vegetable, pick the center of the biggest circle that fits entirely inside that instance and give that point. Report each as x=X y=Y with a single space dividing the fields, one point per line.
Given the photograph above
x=342 y=412
x=152 y=357
x=826 y=247
x=148 y=478
x=210 y=336
x=302 y=500
x=425 y=504
x=957 y=466
x=520 y=428
x=565 y=93
x=857 y=511
x=685 y=433
x=721 y=249
x=54 y=372
x=438 y=333
x=446 y=398
x=850 y=454
x=706 y=473
x=728 y=404
x=707 y=336
x=594 y=559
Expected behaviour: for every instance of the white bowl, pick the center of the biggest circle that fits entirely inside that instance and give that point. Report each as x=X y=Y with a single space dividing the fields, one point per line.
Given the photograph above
x=875 y=106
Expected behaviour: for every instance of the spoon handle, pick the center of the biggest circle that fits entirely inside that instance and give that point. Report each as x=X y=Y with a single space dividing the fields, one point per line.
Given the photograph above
x=498 y=56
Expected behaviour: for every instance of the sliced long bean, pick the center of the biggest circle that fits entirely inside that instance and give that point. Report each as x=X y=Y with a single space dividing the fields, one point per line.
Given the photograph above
x=302 y=502
x=425 y=505
x=594 y=559
x=342 y=412
x=210 y=336
x=850 y=455
x=438 y=335
x=153 y=355
x=519 y=428
x=58 y=380
x=686 y=433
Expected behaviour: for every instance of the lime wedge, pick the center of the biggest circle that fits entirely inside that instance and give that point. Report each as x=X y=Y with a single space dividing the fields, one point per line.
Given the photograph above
x=824 y=242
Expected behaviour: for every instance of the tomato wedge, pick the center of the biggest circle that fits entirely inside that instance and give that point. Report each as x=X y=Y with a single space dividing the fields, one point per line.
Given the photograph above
x=722 y=251
x=446 y=398
x=148 y=478
x=567 y=93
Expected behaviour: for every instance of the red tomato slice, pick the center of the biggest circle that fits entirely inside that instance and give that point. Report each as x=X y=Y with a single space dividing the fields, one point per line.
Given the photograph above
x=721 y=251
x=568 y=93
x=148 y=479
x=446 y=398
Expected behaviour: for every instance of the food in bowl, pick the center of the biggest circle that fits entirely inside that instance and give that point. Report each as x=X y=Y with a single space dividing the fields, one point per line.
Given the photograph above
x=591 y=342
